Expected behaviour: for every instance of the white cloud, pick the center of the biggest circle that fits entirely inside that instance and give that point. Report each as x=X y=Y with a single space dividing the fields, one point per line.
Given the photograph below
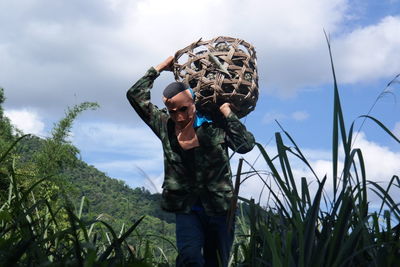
x=92 y=46
x=271 y=116
x=287 y=35
x=369 y=53
x=300 y=115
x=381 y=163
x=315 y=154
x=28 y=121
x=115 y=138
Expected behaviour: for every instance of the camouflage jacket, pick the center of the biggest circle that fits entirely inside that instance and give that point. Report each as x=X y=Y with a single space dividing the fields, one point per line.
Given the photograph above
x=202 y=173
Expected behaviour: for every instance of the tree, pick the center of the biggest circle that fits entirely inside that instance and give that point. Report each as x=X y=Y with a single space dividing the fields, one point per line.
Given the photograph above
x=6 y=129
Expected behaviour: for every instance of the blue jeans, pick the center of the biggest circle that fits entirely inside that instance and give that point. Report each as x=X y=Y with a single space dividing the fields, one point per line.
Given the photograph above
x=203 y=240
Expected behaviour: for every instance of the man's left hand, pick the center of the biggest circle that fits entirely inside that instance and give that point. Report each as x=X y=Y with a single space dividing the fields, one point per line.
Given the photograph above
x=167 y=64
x=225 y=109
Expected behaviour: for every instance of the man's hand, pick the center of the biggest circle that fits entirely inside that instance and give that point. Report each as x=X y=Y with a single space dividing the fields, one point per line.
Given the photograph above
x=166 y=64
x=225 y=109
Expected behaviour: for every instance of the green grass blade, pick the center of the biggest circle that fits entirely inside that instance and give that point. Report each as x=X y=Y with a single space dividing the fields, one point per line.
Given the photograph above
x=340 y=230
x=81 y=207
x=299 y=154
x=305 y=194
x=338 y=123
x=311 y=223
x=383 y=127
x=281 y=183
x=287 y=170
x=116 y=243
x=276 y=257
x=232 y=210
x=5 y=154
x=386 y=199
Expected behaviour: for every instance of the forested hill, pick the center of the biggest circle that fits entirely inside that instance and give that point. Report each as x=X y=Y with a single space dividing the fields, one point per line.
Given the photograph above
x=103 y=195
x=114 y=197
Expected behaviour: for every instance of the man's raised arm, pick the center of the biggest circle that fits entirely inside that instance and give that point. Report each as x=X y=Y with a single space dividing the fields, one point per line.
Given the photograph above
x=139 y=97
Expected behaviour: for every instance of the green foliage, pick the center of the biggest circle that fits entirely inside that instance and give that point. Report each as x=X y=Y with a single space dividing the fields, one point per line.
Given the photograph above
x=6 y=128
x=57 y=152
x=113 y=196
x=6 y=139
x=39 y=224
x=52 y=157
x=33 y=232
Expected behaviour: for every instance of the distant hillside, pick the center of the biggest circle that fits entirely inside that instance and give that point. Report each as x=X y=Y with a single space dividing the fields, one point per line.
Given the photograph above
x=114 y=197
x=110 y=197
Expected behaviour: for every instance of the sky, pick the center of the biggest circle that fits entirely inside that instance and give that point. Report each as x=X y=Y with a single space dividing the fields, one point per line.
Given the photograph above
x=56 y=54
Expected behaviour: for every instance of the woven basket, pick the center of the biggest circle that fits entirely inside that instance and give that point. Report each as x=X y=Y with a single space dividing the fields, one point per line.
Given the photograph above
x=220 y=70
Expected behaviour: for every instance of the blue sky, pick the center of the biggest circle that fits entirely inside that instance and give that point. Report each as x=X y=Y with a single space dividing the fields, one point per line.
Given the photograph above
x=55 y=54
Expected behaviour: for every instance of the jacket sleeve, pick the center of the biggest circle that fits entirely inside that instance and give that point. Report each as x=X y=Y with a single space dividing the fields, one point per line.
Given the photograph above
x=139 y=97
x=237 y=137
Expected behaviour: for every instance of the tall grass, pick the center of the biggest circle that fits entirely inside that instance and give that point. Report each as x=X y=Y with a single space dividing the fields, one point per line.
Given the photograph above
x=39 y=225
x=32 y=234
x=304 y=229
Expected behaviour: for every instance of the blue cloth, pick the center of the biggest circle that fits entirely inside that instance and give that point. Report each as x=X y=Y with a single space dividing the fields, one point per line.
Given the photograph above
x=197 y=232
x=200 y=118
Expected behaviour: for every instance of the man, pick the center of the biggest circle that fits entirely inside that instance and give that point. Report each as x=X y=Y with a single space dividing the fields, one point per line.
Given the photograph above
x=197 y=183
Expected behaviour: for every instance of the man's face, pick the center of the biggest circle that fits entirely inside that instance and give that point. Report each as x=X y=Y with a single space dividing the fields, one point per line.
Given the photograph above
x=181 y=108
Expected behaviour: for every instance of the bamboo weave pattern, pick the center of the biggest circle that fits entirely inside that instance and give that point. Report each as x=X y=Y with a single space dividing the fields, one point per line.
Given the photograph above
x=219 y=70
